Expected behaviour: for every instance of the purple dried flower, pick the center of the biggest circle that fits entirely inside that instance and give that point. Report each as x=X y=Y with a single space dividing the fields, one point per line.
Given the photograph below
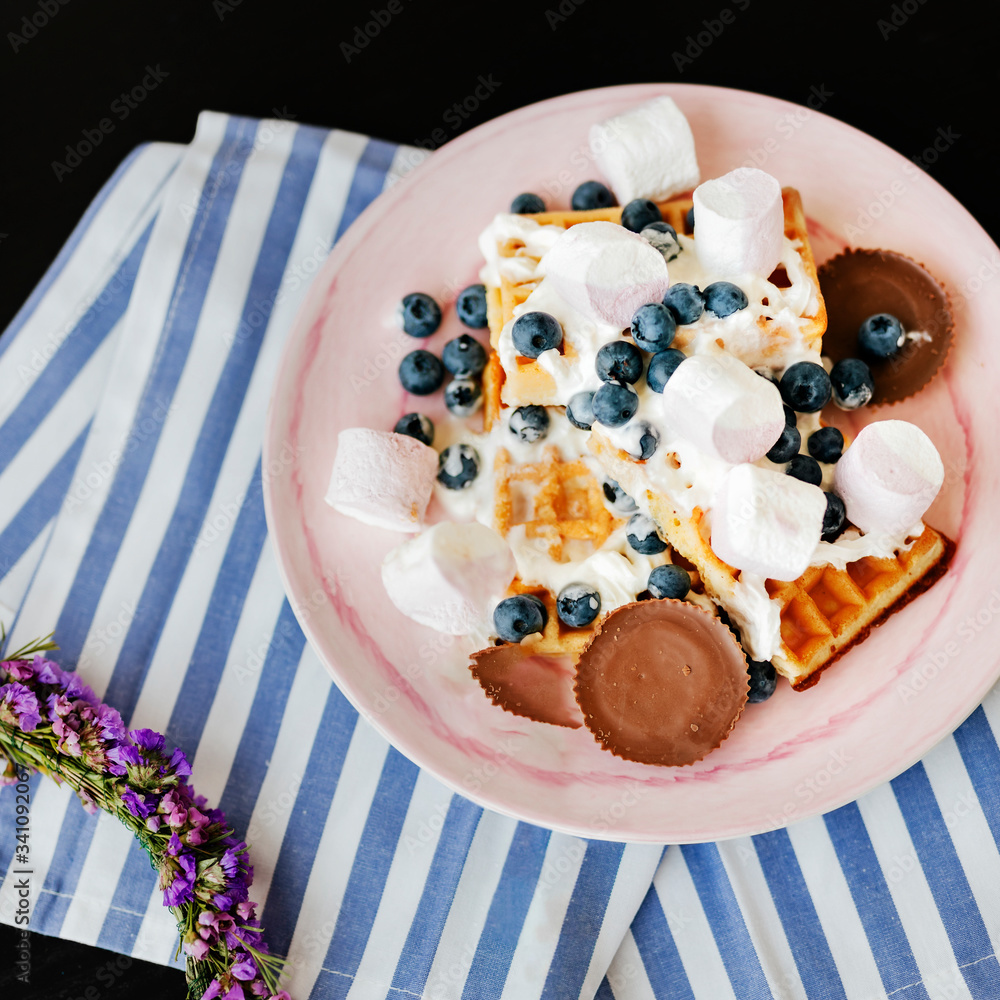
x=174 y=845
x=244 y=966
x=47 y=671
x=179 y=764
x=19 y=670
x=197 y=948
x=181 y=887
x=125 y=755
x=19 y=707
x=214 y=990
x=75 y=688
x=235 y=993
x=148 y=739
x=136 y=804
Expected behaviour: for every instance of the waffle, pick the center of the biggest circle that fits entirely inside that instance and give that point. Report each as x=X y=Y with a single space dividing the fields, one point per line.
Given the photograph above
x=826 y=610
x=529 y=383
x=561 y=504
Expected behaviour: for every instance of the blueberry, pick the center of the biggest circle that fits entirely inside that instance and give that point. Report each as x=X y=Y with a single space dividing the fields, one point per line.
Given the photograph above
x=790 y=417
x=471 y=306
x=689 y=220
x=458 y=465
x=614 y=404
x=686 y=302
x=464 y=356
x=834 y=519
x=535 y=332
x=421 y=373
x=852 y=383
x=787 y=446
x=723 y=298
x=669 y=581
x=591 y=194
x=416 y=425
x=463 y=396
x=763 y=680
x=619 y=361
x=421 y=314
x=805 y=468
x=662 y=366
x=880 y=336
x=663 y=237
x=530 y=423
x=805 y=387
x=643 y=535
x=527 y=204
x=619 y=501
x=826 y=444
x=578 y=604
x=580 y=410
x=645 y=439
x=638 y=214
x=653 y=327
x=518 y=616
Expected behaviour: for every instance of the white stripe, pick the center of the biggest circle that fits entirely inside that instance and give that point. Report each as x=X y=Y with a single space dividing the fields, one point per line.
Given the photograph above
x=761 y=918
x=627 y=973
x=838 y=916
x=546 y=913
x=342 y=831
x=15 y=583
x=98 y=880
x=639 y=864
x=404 y=885
x=405 y=159
x=908 y=887
x=143 y=321
x=466 y=918
x=107 y=242
x=691 y=931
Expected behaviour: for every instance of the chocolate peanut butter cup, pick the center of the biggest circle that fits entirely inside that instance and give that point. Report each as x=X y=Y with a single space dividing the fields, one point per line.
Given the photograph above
x=662 y=682
x=857 y=284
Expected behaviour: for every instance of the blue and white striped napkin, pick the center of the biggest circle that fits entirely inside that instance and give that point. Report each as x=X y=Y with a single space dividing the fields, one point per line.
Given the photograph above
x=133 y=391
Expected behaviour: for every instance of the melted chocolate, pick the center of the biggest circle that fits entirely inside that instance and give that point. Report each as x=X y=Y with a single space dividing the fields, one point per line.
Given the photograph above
x=859 y=283
x=662 y=682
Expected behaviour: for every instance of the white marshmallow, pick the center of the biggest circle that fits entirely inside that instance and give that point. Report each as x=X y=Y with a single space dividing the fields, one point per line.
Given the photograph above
x=450 y=576
x=739 y=223
x=889 y=476
x=647 y=152
x=766 y=522
x=382 y=478
x=724 y=407
x=605 y=272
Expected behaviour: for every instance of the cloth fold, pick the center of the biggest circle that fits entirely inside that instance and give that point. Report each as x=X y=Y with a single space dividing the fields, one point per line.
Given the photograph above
x=133 y=392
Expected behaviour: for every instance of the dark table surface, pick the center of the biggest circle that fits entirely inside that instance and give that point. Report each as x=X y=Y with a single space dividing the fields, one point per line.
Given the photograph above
x=909 y=72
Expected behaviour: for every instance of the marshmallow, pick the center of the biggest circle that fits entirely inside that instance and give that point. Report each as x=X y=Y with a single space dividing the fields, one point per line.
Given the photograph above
x=647 y=152
x=739 y=223
x=723 y=407
x=450 y=576
x=889 y=476
x=766 y=522
x=605 y=272
x=382 y=478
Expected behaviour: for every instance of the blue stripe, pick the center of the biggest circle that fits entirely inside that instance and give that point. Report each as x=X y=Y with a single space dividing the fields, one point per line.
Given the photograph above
x=40 y=508
x=71 y=356
x=890 y=947
x=369 y=179
x=191 y=285
x=604 y=991
x=363 y=894
x=508 y=909
x=415 y=962
x=948 y=884
x=69 y=247
x=725 y=918
x=8 y=821
x=978 y=747
x=215 y=434
x=136 y=884
x=803 y=930
x=583 y=921
x=658 y=951
x=264 y=722
x=305 y=825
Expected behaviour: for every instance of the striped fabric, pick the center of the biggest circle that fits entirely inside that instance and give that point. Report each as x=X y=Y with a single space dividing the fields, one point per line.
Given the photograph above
x=133 y=392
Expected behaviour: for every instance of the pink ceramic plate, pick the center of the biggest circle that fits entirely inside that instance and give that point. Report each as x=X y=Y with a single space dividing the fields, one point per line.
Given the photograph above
x=880 y=709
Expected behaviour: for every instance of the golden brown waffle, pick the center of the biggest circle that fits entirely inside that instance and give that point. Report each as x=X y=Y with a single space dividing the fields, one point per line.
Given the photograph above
x=826 y=610
x=560 y=503
x=529 y=383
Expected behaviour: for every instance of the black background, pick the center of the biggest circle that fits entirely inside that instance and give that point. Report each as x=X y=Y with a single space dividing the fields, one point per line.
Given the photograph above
x=901 y=70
